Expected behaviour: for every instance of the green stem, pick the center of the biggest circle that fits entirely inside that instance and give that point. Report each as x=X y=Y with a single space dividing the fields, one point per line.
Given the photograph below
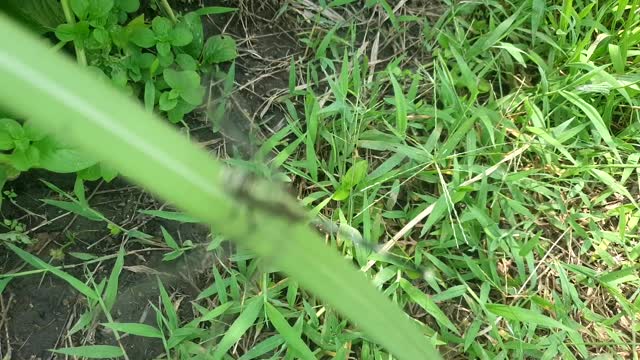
x=169 y=10
x=68 y=14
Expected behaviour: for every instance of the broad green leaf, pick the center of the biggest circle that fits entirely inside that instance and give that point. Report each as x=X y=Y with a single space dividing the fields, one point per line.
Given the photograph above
x=187 y=62
x=161 y=26
x=193 y=95
x=80 y=8
x=60 y=158
x=181 y=36
x=181 y=80
x=179 y=111
x=71 y=32
x=107 y=172
x=166 y=103
x=90 y=114
x=99 y=8
x=92 y=351
x=194 y=23
x=11 y=128
x=143 y=37
x=101 y=36
x=24 y=160
x=164 y=51
x=6 y=140
x=128 y=5
x=32 y=132
x=219 y=49
x=91 y=173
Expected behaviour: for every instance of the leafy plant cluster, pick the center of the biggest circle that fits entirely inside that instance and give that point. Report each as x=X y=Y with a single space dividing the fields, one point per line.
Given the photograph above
x=159 y=60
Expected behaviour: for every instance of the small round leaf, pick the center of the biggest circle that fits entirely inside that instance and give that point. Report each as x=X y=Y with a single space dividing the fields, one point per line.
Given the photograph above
x=219 y=49
x=143 y=37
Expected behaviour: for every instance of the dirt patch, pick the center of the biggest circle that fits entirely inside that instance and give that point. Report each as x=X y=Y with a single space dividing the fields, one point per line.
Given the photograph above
x=39 y=310
x=37 y=315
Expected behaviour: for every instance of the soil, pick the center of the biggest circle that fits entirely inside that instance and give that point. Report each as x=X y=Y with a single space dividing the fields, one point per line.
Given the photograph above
x=37 y=311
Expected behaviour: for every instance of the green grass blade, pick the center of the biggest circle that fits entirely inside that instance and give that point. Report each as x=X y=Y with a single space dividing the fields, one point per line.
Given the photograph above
x=135 y=329
x=39 y=264
x=492 y=37
x=66 y=100
x=170 y=215
x=401 y=106
x=92 y=351
x=239 y=327
x=263 y=347
x=111 y=291
x=537 y=13
x=514 y=313
x=613 y=184
x=3 y=284
x=552 y=141
x=595 y=118
x=169 y=310
x=428 y=305
x=289 y=334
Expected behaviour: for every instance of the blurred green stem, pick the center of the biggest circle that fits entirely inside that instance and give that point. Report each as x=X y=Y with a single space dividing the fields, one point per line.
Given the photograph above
x=169 y=10
x=68 y=14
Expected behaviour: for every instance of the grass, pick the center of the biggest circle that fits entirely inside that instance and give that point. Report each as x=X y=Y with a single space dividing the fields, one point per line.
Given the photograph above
x=492 y=149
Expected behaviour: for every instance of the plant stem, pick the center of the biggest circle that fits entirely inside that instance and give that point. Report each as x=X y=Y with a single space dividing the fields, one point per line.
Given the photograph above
x=68 y=14
x=169 y=10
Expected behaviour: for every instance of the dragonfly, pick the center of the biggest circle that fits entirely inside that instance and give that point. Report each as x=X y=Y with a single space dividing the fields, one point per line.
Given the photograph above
x=241 y=185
